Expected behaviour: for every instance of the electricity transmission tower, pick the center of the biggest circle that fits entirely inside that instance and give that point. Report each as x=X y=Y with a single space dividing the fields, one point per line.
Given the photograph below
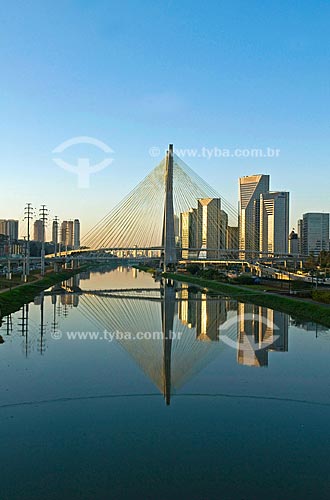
x=43 y=214
x=28 y=216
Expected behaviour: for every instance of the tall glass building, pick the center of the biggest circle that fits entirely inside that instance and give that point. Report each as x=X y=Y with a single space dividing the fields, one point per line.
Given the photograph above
x=315 y=233
x=250 y=189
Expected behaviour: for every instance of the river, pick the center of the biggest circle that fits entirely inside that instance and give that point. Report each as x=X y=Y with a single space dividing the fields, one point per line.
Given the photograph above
x=115 y=386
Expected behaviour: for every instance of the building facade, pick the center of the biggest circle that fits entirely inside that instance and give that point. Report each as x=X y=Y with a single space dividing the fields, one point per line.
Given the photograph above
x=38 y=230
x=232 y=239
x=274 y=223
x=9 y=227
x=55 y=229
x=188 y=230
x=67 y=233
x=76 y=234
x=293 y=243
x=210 y=234
x=250 y=189
x=315 y=233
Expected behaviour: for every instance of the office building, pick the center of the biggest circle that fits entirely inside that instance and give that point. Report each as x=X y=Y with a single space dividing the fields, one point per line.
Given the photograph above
x=223 y=229
x=274 y=223
x=293 y=243
x=315 y=233
x=9 y=227
x=76 y=234
x=250 y=189
x=300 y=237
x=67 y=233
x=55 y=229
x=210 y=234
x=188 y=230
x=232 y=238
x=38 y=230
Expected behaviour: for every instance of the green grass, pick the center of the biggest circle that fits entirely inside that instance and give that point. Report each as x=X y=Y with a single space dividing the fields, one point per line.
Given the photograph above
x=15 y=281
x=321 y=296
x=146 y=269
x=11 y=301
x=297 y=308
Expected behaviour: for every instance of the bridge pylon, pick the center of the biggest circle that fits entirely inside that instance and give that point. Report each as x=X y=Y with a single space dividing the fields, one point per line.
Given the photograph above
x=168 y=240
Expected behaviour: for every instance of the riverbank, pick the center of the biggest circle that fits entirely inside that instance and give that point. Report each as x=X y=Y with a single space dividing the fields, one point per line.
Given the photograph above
x=297 y=308
x=12 y=300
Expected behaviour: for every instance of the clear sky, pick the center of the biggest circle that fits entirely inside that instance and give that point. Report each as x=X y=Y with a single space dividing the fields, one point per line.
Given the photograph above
x=137 y=74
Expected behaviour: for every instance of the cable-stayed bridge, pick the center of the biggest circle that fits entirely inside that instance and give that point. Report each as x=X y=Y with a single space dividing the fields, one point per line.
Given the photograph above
x=148 y=218
x=174 y=215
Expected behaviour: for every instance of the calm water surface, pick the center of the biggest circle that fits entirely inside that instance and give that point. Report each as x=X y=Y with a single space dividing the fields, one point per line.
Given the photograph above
x=227 y=401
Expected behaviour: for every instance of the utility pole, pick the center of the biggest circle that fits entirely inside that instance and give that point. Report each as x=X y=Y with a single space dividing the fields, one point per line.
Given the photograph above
x=28 y=215
x=43 y=214
x=24 y=275
x=9 y=261
x=55 y=234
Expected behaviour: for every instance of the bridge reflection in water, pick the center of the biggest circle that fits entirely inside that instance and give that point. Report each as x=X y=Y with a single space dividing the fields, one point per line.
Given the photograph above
x=174 y=330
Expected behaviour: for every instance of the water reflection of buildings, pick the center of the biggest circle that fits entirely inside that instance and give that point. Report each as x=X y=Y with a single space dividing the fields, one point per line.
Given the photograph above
x=260 y=330
x=204 y=321
x=256 y=329
x=202 y=312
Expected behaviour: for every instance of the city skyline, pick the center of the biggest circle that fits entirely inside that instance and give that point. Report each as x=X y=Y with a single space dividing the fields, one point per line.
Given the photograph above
x=16 y=212
x=262 y=225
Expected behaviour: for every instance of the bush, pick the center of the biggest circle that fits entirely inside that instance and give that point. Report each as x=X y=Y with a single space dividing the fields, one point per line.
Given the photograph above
x=193 y=268
x=245 y=279
x=321 y=296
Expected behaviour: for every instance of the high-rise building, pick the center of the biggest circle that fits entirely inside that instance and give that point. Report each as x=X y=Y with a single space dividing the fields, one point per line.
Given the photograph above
x=211 y=233
x=55 y=229
x=38 y=230
x=3 y=227
x=9 y=227
x=223 y=228
x=188 y=229
x=293 y=243
x=232 y=238
x=300 y=235
x=274 y=223
x=250 y=189
x=67 y=233
x=315 y=233
x=176 y=228
x=76 y=234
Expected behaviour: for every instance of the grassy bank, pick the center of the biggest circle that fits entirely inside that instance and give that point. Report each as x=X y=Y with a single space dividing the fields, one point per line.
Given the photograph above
x=297 y=308
x=11 y=301
x=321 y=296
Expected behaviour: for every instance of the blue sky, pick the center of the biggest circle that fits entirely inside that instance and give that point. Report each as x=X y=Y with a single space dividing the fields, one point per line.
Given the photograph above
x=137 y=74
